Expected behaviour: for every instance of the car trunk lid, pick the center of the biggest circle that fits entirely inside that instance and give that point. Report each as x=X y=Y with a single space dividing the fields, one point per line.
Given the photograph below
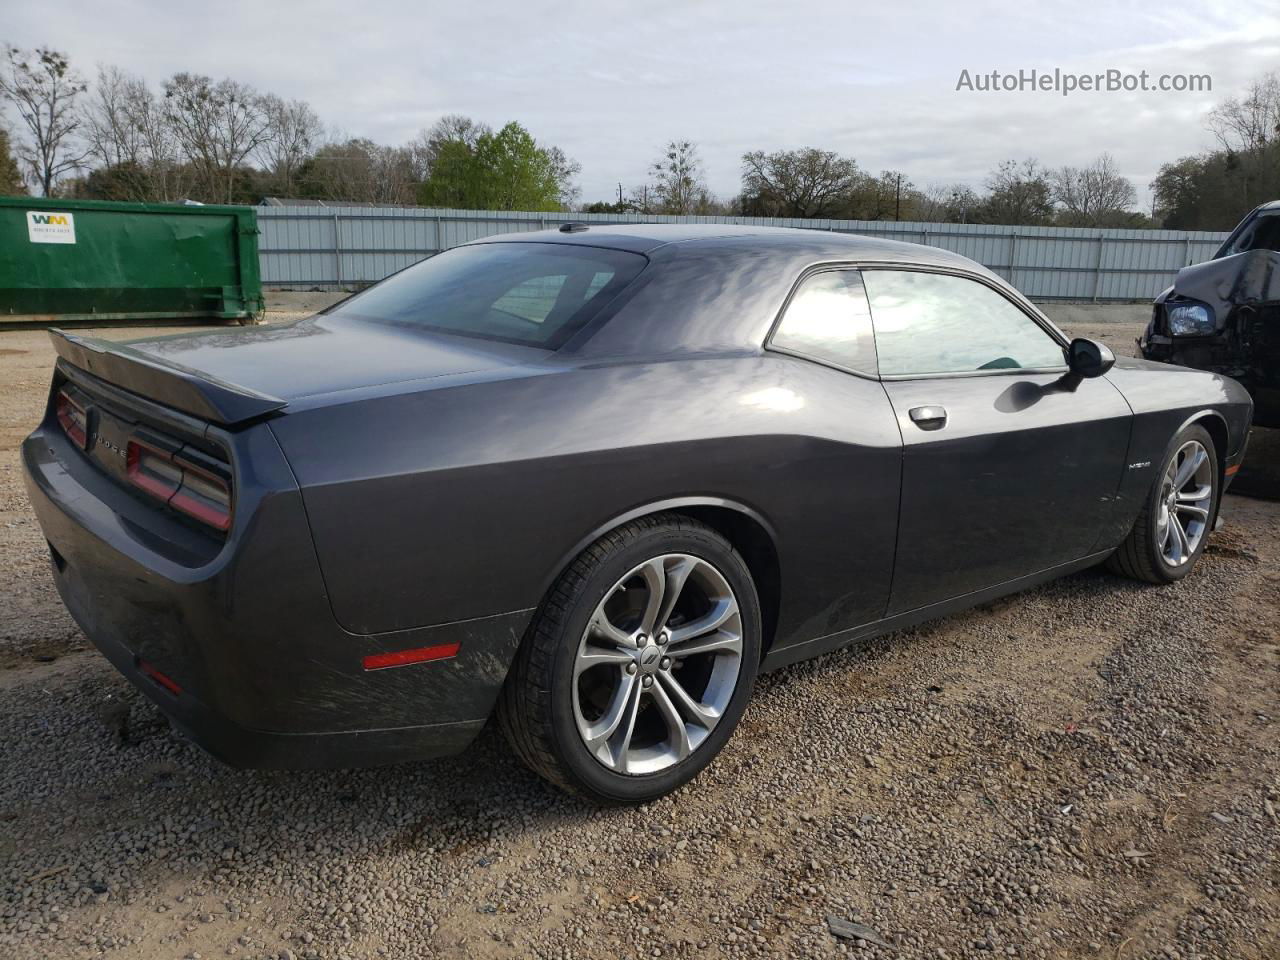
x=230 y=376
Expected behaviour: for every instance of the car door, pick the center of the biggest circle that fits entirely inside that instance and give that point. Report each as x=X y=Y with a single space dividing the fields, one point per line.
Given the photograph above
x=1009 y=466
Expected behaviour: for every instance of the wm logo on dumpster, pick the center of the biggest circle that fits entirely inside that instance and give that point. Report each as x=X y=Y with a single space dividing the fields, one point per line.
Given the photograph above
x=51 y=227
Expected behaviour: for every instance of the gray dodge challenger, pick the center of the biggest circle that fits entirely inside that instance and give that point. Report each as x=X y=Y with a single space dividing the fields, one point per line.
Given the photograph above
x=590 y=481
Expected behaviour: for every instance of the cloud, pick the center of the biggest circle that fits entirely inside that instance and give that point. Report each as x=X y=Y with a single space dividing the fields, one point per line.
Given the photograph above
x=610 y=81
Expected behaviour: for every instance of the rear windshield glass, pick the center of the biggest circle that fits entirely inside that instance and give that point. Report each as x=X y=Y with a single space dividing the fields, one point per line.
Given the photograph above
x=536 y=294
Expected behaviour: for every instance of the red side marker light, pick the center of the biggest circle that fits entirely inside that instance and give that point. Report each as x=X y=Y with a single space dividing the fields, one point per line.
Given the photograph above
x=440 y=651
x=165 y=681
x=1232 y=471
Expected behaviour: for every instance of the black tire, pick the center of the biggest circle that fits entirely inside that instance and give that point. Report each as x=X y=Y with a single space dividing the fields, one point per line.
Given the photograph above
x=536 y=709
x=1140 y=556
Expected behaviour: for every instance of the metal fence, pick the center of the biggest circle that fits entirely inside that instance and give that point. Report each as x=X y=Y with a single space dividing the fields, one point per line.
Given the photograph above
x=346 y=247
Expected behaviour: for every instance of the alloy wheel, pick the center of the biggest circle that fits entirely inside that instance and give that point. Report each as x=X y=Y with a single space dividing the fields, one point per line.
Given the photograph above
x=1186 y=497
x=657 y=664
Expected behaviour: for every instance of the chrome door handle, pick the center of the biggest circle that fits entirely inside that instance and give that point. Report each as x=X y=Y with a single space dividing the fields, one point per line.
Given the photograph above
x=930 y=417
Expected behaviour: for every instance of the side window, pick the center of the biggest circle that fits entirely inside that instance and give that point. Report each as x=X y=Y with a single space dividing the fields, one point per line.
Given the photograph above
x=935 y=323
x=828 y=320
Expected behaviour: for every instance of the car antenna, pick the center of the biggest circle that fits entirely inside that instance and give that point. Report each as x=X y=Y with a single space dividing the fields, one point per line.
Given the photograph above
x=573 y=226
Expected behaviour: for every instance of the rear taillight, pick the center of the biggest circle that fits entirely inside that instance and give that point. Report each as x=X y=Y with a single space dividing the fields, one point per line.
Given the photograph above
x=152 y=469
x=73 y=418
x=204 y=494
x=192 y=483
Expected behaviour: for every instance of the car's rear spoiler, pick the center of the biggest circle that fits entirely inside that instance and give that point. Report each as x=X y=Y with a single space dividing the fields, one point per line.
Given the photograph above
x=167 y=383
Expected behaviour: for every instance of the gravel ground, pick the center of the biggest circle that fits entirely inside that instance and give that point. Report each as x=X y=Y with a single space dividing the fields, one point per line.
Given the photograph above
x=1090 y=769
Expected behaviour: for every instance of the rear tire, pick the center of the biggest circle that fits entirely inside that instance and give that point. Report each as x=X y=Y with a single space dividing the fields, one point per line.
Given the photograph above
x=1173 y=527
x=672 y=674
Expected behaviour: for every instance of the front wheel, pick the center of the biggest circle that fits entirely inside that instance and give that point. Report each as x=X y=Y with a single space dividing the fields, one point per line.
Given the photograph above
x=639 y=663
x=1173 y=527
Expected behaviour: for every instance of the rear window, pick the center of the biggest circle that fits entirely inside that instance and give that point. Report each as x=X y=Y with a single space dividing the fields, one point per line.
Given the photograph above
x=535 y=294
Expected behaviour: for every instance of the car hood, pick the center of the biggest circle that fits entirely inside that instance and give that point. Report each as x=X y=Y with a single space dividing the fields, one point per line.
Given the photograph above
x=1252 y=277
x=326 y=355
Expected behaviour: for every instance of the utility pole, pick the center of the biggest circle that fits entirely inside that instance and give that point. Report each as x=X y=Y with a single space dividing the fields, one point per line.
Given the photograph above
x=897 y=200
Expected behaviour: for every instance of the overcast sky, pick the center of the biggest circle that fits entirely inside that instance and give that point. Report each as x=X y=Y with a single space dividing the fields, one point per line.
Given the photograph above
x=610 y=82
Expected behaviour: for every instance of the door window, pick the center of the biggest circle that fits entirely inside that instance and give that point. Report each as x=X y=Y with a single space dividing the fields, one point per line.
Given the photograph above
x=930 y=323
x=828 y=320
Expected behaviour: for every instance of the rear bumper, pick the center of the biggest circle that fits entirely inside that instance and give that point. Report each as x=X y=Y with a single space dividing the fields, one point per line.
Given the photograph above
x=264 y=675
x=241 y=746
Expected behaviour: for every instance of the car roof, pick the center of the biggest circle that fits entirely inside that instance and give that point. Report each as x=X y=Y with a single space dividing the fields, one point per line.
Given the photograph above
x=721 y=286
x=692 y=238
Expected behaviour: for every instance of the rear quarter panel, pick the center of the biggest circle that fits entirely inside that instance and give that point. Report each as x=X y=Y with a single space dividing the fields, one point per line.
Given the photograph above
x=466 y=501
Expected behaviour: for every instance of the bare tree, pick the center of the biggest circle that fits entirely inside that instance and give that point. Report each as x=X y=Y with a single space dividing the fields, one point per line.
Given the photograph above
x=218 y=125
x=168 y=177
x=44 y=89
x=108 y=128
x=358 y=170
x=1250 y=122
x=797 y=183
x=293 y=131
x=1093 y=196
x=946 y=203
x=128 y=132
x=1018 y=193
x=393 y=175
x=565 y=170
x=678 y=184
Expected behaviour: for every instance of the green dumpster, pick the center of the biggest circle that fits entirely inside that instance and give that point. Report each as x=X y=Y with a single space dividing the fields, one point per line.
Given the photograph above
x=78 y=260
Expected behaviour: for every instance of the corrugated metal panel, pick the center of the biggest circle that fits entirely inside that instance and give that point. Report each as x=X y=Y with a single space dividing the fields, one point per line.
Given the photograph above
x=352 y=246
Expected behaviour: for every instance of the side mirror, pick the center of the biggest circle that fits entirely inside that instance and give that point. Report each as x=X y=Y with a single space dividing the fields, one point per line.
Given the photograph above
x=1089 y=358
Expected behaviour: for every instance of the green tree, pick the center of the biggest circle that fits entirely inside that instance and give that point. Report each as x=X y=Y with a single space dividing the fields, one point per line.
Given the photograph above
x=506 y=170
x=10 y=175
x=117 y=181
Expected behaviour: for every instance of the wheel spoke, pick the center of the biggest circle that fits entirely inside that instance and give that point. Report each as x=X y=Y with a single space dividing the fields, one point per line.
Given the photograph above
x=603 y=628
x=1200 y=513
x=676 y=729
x=609 y=737
x=696 y=712
x=724 y=608
x=1199 y=493
x=676 y=577
x=707 y=643
x=1180 y=539
x=655 y=581
x=1189 y=466
x=594 y=656
x=621 y=742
